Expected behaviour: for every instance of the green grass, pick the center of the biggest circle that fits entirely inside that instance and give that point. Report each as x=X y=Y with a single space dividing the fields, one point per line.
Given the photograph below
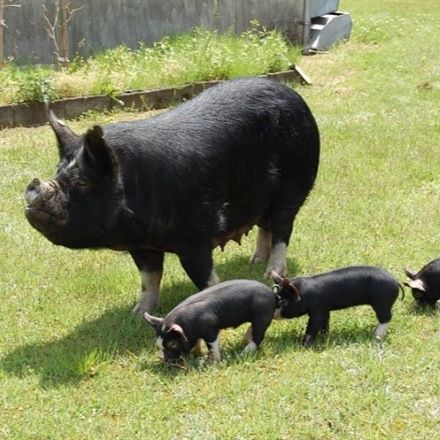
x=200 y=55
x=75 y=364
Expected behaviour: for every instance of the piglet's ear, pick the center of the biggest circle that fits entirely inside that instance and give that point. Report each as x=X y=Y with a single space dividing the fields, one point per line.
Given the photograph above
x=292 y=288
x=98 y=156
x=275 y=277
x=176 y=328
x=410 y=273
x=416 y=284
x=154 y=321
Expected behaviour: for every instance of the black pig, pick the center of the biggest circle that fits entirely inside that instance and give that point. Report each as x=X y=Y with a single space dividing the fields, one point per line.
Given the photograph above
x=242 y=153
x=202 y=315
x=425 y=284
x=351 y=286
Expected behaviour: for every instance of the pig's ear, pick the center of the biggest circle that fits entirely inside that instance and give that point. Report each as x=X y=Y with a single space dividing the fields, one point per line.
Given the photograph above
x=154 y=321
x=410 y=273
x=99 y=156
x=417 y=284
x=178 y=330
x=67 y=140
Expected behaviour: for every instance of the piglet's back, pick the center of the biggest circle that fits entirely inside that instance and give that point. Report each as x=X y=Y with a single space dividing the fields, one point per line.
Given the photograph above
x=221 y=291
x=231 y=297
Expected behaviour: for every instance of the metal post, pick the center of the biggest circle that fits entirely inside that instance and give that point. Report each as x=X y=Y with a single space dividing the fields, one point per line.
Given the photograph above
x=306 y=22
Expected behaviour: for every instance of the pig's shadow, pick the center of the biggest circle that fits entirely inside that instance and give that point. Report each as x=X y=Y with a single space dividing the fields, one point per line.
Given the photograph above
x=337 y=337
x=421 y=310
x=115 y=334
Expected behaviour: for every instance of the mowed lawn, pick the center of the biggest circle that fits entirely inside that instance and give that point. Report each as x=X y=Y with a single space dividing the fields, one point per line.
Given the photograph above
x=76 y=364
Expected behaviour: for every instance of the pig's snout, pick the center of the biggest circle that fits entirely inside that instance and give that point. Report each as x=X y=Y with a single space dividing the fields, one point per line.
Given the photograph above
x=33 y=191
x=46 y=209
x=39 y=192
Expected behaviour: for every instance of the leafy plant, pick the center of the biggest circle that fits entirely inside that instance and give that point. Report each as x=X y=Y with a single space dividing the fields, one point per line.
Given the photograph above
x=34 y=85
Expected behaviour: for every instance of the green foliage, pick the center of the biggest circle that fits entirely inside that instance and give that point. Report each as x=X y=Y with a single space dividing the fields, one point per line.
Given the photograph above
x=27 y=84
x=196 y=56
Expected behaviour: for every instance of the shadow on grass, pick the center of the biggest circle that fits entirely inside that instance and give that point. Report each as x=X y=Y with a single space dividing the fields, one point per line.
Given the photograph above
x=275 y=344
x=78 y=355
x=116 y=333
x=425 y=310
x=337 y=337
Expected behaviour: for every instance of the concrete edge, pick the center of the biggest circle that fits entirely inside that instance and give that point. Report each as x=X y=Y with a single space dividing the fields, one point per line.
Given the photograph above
x=29 y=114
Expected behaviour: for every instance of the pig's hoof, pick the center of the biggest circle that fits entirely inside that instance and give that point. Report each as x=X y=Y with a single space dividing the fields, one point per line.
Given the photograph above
x=250 y=348
x=259 y=257
x=280 y=270
x=378 y=340
x=147 y=305
x=214 y=360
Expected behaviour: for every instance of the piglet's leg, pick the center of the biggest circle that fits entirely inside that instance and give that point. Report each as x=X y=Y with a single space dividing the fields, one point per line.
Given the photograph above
x=251 y=345
x=257 y=330
x=317 y=322
x=214 y=349
x=150 y=265
x=381 y=330
x=384 y=317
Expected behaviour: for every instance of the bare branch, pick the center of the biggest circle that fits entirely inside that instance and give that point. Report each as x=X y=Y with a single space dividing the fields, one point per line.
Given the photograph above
x=51 y=27
x=3 y=5
x=58 y=28
x=72 y=12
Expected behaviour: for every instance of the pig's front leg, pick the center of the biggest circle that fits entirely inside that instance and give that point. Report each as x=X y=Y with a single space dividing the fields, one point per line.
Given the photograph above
x=198 y=264
x=249 y=339
x=150 y=265
x=318 y=321
x=214 y=349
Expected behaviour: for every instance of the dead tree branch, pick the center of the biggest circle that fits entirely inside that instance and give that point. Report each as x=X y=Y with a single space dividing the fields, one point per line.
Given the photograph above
x=57 y=28
x=4 y=4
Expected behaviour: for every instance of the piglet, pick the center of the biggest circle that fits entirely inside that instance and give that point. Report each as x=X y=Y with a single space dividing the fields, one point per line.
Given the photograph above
x=351 y=286
x=203 y=315
x=425 y=284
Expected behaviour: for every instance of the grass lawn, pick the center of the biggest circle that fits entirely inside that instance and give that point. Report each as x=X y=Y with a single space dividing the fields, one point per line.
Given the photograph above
x=75 y=363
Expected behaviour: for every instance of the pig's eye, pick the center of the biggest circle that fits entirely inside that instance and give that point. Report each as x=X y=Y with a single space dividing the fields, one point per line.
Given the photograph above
x=173 y=345
x=81 y=182
x=418 y=293
x=282 y=302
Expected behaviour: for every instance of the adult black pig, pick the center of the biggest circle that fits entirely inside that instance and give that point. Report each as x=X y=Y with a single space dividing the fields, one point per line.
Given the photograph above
x=242 y=153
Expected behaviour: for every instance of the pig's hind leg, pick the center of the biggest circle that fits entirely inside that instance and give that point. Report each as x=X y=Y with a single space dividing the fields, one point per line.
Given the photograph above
x=255 y=333
x=284 y=208
x=264 y=245
x=384 y=317
x=318 y=322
